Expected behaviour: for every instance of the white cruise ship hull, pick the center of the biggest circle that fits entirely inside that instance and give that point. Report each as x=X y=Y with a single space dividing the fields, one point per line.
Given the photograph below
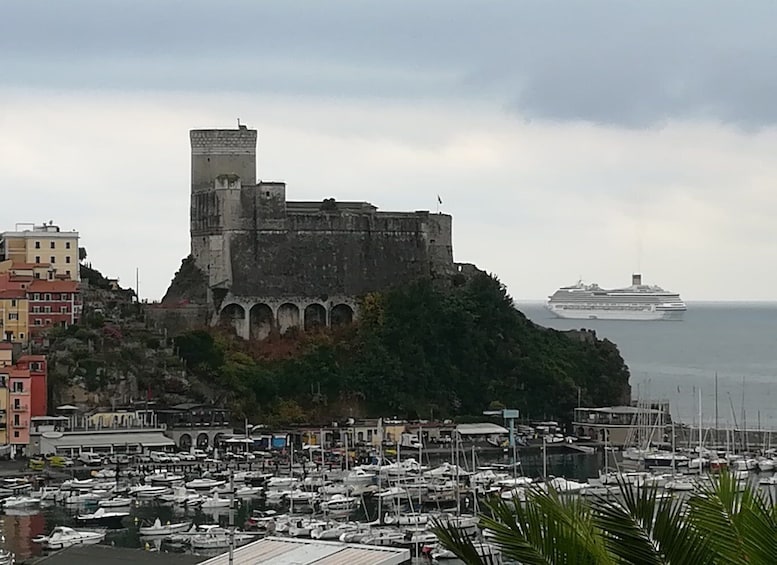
x=669 y=314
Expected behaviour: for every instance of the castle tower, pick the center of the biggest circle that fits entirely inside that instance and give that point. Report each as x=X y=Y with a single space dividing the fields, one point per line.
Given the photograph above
x=223 y=161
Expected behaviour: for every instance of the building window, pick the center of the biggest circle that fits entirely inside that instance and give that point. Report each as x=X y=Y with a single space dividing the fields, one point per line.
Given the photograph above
x=47 y=309
x=36 y=309
x=53 y=259
x=63 y=309
x=21 y=335
x=13 y=315
x=16 y=404
x=18 y=386
x=48 y=322
x=13 y=303
x=36 y=296
x=64 y=294
x=67 y=245
x=37 y=245
x=16 y=434
x=47 y=297
x=67 y=273
x=37 y=275
x=35 y=366
x=67 y=259
x=37 y=259
x=53 y=245
x=51 y=275
x=16 y=421
x=37 y=322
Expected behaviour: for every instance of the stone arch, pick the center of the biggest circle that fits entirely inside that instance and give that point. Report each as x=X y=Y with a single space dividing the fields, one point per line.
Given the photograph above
x=288 y=316
x=233 y=315
x=261 y=321
x=217 y=439
x=341 y=315
x=185 y=442
x=315 y=316
x=202 y=441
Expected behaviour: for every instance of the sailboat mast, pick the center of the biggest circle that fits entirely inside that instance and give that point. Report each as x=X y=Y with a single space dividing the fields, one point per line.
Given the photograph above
x=717 y=422
x=700 y=435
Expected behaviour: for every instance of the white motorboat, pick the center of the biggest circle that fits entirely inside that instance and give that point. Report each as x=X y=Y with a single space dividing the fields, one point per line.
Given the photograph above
x=7 y=557
x=339 y=503
x=45 y=493
x=76 y=484
x=183 y=496
x=116 y=502
x=302 y=527
x=487 y=552
x=20 y=502
x=281 y=483
x=359 y=477
x=336 y=530
x=62 y=537
x=149 y=491
x=103 y=517
x=159 y=529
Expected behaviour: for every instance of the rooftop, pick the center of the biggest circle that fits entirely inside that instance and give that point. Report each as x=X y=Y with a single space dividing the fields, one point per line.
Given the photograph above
x=286 y=551
x=109 y=555
x=483 y=429
x=621 y=410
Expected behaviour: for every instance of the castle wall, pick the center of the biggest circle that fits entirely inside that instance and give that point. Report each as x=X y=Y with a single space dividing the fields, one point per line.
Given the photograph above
x=273 y=264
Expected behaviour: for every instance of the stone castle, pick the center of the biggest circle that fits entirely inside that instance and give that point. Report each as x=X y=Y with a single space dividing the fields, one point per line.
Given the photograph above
x=271 y=263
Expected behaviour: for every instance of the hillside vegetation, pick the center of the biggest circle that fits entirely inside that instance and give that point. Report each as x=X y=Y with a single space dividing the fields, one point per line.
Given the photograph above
x=416 y=351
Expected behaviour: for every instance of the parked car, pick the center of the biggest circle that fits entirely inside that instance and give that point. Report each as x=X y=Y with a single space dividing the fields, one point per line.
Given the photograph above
x=59 y=461
x=186 y=456
x=90 y=459
x=159 y=457
x=117 y=459
x=199 y=454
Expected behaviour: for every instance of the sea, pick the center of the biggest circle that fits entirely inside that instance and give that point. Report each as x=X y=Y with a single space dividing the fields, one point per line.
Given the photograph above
x=733 y=343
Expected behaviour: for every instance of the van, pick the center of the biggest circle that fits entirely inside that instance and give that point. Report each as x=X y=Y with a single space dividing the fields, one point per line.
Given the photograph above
x=90 y=459
x=159 y=457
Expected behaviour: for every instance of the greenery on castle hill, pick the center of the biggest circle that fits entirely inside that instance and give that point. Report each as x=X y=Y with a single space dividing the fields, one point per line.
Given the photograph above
x=417 y=351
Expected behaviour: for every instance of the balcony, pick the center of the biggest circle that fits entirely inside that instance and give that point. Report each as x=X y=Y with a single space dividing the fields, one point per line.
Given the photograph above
x=21 y=424
x=20 y=408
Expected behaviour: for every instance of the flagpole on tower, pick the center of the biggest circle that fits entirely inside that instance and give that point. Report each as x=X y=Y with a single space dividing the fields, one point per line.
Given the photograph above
x=439 y=202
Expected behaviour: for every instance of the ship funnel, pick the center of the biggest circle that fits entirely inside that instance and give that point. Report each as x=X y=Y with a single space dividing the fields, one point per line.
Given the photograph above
x=636 y=279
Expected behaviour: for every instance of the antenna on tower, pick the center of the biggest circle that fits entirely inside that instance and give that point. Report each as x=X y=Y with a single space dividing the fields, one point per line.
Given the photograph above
x=238 y=122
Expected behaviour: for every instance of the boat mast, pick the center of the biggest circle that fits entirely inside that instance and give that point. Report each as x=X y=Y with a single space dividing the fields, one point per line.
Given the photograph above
x=700 y=435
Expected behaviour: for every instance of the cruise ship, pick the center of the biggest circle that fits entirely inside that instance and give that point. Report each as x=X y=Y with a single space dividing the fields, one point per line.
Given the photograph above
x=636 y=302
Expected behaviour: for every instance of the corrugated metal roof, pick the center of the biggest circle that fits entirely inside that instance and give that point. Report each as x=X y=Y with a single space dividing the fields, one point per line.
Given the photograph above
x=480 y=429
x=287 y=551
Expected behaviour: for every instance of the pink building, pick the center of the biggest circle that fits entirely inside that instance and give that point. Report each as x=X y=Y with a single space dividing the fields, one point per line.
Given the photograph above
x=19 y=388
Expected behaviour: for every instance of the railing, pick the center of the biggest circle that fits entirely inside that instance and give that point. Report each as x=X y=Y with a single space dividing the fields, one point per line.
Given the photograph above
x=20 y=424
x=20 y=408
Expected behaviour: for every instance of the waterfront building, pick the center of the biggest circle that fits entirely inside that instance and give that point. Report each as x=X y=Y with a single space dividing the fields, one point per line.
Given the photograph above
x=622 y=426
x=195 y=425
x=43 y=246
x=20 y=387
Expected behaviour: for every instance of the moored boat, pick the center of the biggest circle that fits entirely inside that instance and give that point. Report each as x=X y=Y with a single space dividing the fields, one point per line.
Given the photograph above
x=62 y=537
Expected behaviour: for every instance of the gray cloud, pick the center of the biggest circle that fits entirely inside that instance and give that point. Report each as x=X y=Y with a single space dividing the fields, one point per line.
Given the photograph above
x=625 y=63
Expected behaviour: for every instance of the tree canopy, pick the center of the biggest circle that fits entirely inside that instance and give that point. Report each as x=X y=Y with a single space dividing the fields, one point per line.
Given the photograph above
x=419 y=350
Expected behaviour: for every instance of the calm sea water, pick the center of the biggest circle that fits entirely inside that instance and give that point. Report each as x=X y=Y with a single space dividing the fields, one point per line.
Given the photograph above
x=673 y=360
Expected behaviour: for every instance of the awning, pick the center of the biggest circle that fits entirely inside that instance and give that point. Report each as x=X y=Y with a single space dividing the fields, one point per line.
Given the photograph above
x=112 y=439
x=484 y=429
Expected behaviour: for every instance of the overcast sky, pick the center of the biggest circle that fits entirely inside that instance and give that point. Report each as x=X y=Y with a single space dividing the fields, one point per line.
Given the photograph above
x=568 y=139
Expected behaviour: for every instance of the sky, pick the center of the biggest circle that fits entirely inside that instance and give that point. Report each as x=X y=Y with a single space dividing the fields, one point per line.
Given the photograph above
x=568 y=139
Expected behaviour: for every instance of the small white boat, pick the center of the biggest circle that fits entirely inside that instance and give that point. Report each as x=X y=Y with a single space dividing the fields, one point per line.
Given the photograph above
x=407 y=519
x=204 y=484
x=359 y=477
x=116 y=502
x=159 y=529
x=103 y=517
x=62 y=537
x=220 y=537
x=149 y=491
x=215 y=501
x=248 y=492
x=7 y=557
x=166 y=479
x=20 y=502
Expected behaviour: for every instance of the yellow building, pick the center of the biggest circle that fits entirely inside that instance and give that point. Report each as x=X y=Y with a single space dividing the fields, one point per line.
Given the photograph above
x=46 y=249
x=14 y=316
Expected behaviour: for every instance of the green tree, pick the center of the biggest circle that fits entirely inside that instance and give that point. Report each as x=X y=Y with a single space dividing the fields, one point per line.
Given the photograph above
x=720 y=524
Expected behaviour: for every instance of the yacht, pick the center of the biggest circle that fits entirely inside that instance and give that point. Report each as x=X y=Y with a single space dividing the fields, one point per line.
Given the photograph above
x=636 y=302
x=62 y=537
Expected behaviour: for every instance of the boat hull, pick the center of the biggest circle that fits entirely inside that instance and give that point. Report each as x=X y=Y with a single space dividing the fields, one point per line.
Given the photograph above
x=615 y=314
